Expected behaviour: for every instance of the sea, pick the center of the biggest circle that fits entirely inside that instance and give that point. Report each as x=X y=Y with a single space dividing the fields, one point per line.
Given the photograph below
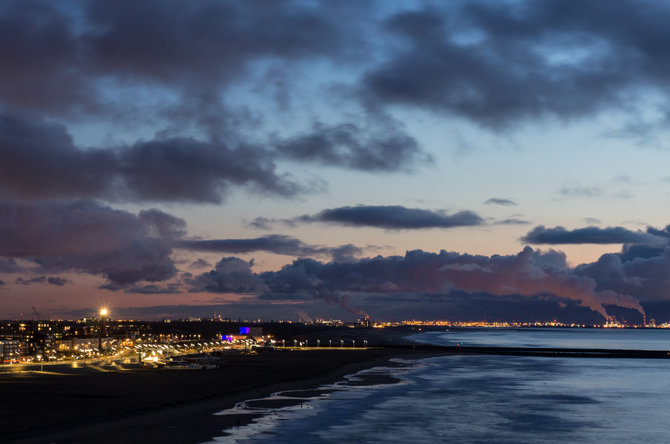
x=485 y=399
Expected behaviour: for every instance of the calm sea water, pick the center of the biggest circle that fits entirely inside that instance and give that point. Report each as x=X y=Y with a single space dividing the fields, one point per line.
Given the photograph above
x=501 y=399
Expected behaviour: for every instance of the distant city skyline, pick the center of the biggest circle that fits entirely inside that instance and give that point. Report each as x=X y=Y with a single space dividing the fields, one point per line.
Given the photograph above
x=409 y=159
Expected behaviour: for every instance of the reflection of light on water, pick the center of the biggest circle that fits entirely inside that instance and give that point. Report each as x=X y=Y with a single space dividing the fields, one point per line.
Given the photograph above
x=625 y=339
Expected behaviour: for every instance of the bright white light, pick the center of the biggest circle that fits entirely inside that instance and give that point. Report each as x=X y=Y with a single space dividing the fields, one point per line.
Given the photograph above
x=103 y=312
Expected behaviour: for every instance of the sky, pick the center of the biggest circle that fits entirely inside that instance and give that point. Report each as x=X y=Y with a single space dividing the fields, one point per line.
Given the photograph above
x=462 y=160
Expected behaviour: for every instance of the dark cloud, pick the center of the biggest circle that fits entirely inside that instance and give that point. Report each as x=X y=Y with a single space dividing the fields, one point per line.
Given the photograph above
x=392 y=217
x=275 y=243
x=230 y=275
x=529 y=274
x=41 y=46
x=498 y=201
x=89 y=237
x=350 y=146
x=498 y=63
x=172 y=64
x=9 y=265
x=85 y=236
x=630 y=252
x=494 y=63
x=55 y=280
x=172 y=288
x=61 y=53
x=35 y=280
x=200 y=263
x=210 y=41
x=262 y=223
x=191 y=170
x=348 y=252
x=39 y=160
x=641 y=272
x=664 y=232
x=52 y=280
x=163 y=225
x=588 y=235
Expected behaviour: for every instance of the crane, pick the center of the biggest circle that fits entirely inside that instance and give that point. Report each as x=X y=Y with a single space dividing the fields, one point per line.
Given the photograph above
x=37 y=315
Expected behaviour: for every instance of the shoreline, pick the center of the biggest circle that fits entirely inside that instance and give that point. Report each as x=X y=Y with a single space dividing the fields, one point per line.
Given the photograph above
x=183 y=410
x=178 y=406
x=260 y=410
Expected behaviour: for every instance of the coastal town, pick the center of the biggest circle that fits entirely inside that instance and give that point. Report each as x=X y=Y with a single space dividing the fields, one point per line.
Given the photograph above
x=162 y=342
x=155 y=343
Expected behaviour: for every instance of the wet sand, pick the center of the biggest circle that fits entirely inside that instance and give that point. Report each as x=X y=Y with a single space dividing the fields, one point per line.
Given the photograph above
x=168 y=406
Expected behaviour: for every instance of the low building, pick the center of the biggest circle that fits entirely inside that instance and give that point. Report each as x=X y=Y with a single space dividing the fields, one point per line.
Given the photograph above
x=10 y=351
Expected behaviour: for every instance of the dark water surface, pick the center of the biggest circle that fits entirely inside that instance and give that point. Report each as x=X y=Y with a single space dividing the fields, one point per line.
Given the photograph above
x=603 y=338
x=503 y=399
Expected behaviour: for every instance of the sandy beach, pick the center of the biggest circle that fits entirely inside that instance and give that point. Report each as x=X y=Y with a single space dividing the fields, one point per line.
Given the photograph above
x=169 y=406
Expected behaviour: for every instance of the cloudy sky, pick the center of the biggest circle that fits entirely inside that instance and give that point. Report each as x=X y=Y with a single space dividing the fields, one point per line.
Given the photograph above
x=302 y=159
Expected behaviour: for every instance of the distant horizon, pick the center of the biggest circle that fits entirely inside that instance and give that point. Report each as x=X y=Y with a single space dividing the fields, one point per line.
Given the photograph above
x=486 y=324
x=376 y=321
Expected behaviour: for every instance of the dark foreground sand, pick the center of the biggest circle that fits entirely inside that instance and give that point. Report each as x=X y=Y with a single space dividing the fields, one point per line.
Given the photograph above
x=167 y=406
